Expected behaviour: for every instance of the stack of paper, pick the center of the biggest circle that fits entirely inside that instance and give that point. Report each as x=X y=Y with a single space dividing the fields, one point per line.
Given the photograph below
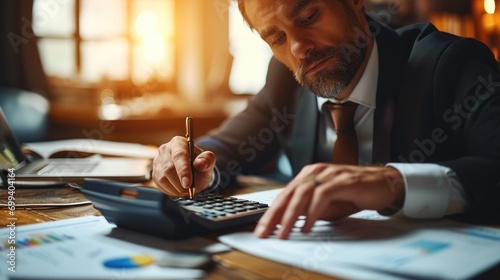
x=369 y=246
x=83 y=248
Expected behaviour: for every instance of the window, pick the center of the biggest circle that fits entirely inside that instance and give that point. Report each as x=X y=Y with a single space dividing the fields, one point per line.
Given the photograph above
x=250 y=53
x=92 y=41
x=115 y=54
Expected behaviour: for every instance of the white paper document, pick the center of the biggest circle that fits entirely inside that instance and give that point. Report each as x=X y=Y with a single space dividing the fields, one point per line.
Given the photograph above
x=111 y=148
x=366 y=245
x=266 y=197
x=83 y=248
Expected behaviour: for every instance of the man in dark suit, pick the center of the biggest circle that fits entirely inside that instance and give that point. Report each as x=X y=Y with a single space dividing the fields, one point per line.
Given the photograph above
x=427 y=119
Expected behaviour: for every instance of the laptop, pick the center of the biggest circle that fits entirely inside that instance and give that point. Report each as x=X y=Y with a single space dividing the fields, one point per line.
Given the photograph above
x=34 y=172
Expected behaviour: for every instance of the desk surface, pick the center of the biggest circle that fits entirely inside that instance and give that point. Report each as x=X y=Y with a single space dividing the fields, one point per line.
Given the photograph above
x=230 y=265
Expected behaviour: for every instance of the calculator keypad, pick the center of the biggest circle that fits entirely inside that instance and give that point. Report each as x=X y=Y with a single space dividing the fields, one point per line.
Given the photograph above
x=219 y=207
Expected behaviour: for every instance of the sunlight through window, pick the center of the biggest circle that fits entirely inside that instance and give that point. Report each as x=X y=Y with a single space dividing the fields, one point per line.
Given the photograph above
x=251 y=56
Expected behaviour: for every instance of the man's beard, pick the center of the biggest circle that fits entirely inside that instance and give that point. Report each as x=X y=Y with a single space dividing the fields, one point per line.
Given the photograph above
x=331 y=81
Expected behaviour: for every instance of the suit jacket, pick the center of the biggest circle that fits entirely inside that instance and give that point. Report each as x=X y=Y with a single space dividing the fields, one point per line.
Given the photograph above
x=438 y=101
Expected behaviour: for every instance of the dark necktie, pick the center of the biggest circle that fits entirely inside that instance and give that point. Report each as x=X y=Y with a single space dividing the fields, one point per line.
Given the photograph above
x=345 y=150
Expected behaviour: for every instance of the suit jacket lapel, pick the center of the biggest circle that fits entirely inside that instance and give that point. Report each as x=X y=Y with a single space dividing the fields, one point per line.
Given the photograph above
x=390 y=70
x=303 y=145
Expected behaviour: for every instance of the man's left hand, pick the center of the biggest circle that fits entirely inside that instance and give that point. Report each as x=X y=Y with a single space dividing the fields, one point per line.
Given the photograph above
x=330 y=192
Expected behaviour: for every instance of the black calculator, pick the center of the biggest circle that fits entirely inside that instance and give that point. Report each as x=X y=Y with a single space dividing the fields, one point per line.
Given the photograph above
x=147 y=210
x=219 y=208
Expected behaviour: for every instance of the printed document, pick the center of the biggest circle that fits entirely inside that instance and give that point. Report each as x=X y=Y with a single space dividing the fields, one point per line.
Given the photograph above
x=370 y=242
x=84 y=248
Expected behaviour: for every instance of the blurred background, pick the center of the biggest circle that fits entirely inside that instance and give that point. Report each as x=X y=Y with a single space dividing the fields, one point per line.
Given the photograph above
x=131 y=70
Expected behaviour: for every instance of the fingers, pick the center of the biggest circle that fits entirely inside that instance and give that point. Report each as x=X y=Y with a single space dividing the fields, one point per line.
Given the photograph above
x=179 y=155
x=172 y=167
x=329 y=211
x=269 y=220
x=164 y=174
x=327 y=199
x=298 y=205
x=205 y=161
x=326 y=191
x=204 y=165
x=293 y=202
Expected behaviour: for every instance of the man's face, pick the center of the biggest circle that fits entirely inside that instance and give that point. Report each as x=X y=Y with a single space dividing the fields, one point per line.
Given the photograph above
x=322 y=41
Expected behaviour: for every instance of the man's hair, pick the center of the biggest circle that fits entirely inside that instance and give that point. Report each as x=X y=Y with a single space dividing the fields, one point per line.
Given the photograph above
x=241 y=7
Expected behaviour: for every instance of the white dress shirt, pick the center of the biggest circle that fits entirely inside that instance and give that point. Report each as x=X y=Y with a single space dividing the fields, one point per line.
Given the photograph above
x=432 y=191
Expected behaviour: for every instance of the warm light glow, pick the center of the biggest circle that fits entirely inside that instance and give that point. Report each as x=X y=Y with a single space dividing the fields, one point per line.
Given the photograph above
x=248 y=72
x=489 y=6
x=111 y=112
x=154 y=47
x=153 y=43
x=146 y=23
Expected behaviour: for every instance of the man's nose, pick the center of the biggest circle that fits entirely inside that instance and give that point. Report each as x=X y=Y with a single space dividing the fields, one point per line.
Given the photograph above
x=300 y=46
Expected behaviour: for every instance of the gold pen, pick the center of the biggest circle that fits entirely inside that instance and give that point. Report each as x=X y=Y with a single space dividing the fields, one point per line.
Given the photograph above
x=190 y=141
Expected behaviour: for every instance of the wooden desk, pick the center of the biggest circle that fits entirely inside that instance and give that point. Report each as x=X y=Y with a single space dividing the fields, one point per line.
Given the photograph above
x=230 y=265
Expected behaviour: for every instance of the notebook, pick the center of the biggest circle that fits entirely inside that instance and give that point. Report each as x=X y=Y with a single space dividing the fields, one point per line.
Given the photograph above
x=15 y=164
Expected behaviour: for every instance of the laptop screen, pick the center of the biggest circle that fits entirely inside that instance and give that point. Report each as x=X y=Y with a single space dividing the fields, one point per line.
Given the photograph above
x=10 y=152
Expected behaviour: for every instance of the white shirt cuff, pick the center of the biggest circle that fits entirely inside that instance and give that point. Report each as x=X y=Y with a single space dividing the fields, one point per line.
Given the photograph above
x=427 y=190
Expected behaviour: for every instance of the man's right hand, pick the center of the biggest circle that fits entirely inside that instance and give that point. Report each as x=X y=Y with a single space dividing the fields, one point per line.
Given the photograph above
x=172 y=168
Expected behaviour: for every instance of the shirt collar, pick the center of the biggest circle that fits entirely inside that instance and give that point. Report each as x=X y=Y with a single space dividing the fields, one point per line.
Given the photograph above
x=365 y=92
